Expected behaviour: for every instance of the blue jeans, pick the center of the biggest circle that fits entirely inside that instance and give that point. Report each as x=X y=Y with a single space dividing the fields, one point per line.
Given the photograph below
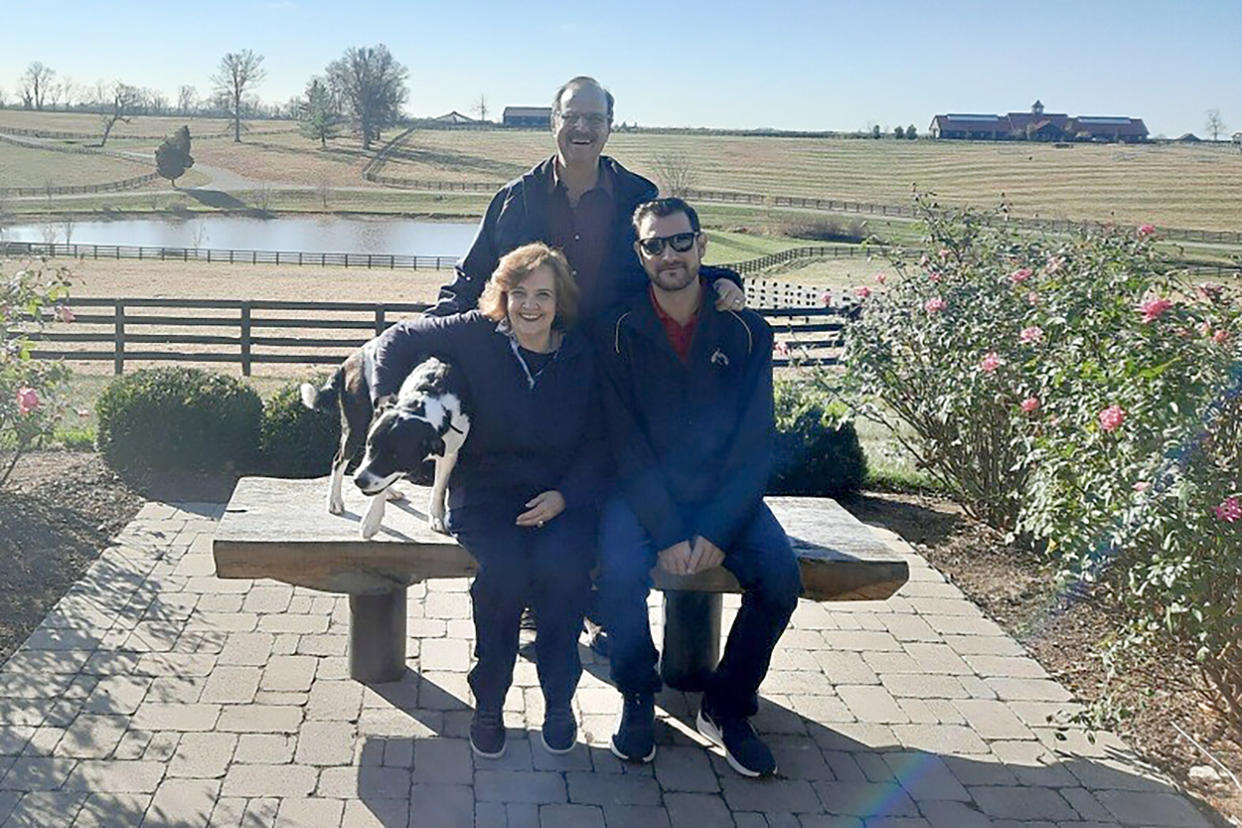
x=551 y=568
x=763 y=562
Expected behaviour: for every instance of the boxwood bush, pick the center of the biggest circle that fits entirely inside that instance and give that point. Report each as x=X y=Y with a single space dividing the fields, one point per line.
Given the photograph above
x=296 y=441
x=183 y=419
x=815 y=453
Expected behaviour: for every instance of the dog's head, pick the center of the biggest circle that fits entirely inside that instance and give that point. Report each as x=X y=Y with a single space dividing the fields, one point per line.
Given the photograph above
x=397 y=444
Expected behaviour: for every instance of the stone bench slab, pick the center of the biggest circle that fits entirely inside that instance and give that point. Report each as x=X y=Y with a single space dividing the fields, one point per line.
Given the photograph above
x=280 y=528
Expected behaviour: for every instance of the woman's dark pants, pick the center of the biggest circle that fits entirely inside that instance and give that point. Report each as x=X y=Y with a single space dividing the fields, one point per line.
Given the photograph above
x=550 y=567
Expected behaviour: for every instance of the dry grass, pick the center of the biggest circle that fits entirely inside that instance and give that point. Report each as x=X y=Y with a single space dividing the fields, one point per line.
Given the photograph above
x=30 y=167
x=89 y=124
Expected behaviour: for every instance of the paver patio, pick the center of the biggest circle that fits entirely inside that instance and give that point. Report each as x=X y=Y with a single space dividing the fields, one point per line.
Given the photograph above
x=155 y=693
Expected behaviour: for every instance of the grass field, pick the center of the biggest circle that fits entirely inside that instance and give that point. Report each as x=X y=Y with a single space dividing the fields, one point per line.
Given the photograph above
x=89 y=124
x=31 y=167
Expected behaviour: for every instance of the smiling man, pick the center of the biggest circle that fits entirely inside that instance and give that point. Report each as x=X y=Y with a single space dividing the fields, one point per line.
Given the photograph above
x=687 y=394
x=579 y=201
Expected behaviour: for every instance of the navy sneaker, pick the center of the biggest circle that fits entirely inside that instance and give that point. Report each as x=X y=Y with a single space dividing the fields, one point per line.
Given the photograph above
x=746 y=752
x=560 y=729
x=487 y=734
x=634 y=740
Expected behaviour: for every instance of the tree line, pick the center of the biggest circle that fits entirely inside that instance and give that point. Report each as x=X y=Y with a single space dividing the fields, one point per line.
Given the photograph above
x=362 y=91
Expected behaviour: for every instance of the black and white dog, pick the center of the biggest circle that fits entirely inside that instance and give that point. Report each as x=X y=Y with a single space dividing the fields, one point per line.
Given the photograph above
x=425 y=420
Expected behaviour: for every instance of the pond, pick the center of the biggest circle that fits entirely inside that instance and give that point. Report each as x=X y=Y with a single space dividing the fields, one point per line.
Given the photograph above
x=310 y=234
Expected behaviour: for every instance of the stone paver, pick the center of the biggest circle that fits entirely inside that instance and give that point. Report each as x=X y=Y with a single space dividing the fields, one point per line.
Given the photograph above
x=156 y=694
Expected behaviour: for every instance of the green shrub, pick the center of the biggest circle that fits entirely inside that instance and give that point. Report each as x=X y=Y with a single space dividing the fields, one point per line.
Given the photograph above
x=815 y=454
x=183 y=419
x=296 y=441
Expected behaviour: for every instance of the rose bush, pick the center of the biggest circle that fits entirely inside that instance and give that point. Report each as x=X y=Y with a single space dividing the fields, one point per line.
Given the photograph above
x=1080 y=394
x=31 y=391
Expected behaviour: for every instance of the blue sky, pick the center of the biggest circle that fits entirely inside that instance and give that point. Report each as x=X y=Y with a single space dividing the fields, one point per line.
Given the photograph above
x=783 y=64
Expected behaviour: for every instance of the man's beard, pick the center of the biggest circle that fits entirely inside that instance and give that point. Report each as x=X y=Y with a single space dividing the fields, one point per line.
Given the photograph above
x=674 y=279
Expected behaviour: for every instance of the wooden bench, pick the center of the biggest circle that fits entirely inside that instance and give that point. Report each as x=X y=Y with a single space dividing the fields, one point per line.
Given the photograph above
x=278 y=528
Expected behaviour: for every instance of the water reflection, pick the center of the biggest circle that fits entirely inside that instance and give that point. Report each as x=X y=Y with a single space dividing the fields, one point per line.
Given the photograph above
x=311 y=234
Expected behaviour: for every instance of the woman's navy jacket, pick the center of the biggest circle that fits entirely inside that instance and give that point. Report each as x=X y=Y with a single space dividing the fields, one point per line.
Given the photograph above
x=524 y=438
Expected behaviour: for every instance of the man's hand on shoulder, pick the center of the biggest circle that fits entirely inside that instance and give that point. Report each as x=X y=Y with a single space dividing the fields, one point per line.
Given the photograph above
x=675 y=559
x=728 y=295
x=704 y=555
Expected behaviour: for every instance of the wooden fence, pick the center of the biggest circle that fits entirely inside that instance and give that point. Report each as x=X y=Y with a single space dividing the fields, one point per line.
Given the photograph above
x=257 y=332
x=386 y=261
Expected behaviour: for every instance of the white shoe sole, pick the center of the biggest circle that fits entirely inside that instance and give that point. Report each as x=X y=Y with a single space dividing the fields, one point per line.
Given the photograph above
x=561 y=752
x=612 y=745
x=482 y=754
x=713 y=734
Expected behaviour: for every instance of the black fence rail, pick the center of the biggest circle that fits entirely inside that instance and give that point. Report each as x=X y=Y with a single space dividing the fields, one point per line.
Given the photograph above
x=387 y=261
x=125 y=331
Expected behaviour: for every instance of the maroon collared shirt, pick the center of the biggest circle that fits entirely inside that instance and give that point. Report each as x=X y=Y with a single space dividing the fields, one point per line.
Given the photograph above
x=583 y=232
x=679 y=335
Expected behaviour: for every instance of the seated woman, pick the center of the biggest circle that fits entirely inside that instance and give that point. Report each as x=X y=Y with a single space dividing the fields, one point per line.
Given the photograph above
x=522 y=496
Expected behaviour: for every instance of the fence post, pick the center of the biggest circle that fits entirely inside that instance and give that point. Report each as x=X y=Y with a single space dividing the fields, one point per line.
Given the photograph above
x=118 y=352
x=245 y=338
x=379 y=320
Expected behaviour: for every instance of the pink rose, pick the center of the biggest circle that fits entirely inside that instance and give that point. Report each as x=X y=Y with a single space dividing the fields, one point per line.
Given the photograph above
x=934 y=305
x=923 y=260
x=1146 y=230
x=1210 y=291
x=881 y=278
x=933 y=276
x=27 y=400
x=1141 y=486
x=1030 y=405
x=862 y=292
x=990 y=363
x=1153 y=307
x=64 y=314
x=1032 y=298
x=1205 y=328
x=1112 y=417
x=1229 y=510
x=780 y=347
x=1020 y=275
x=944 y=253
x=825 y=298
x=1220 y=337
x=1032 y=335
x=1054 y=264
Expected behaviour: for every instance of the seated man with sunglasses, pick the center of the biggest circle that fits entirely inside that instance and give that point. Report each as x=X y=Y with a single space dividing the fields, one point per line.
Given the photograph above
x=687 y=392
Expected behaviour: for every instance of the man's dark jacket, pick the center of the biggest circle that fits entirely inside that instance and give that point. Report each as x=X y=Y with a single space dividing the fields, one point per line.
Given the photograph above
x=692 y=441
x=518 y=215
x=525 y=437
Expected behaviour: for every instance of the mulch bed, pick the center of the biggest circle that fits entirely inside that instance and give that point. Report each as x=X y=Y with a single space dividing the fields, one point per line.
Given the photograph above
x=61 y=508
x=1017 y=591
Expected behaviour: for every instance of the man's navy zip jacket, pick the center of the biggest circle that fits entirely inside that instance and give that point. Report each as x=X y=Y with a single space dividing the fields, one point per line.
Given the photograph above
x=525 y=438
x=518 y=215
x=693 y=440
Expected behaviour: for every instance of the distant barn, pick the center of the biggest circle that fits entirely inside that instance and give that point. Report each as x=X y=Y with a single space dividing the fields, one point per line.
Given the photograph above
x=527 y=116
x=454 y=117
x=1038 y=125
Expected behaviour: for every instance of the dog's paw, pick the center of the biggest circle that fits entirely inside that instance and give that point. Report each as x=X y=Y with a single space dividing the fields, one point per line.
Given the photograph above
x=336 y=506
x=374 y=518
x=436 y=522
x=394 y=494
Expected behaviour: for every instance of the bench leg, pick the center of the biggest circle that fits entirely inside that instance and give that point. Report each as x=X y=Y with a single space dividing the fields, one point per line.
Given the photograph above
x=377 y=636
x=691 y=638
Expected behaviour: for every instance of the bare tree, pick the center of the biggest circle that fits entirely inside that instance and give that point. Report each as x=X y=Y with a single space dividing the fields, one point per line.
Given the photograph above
x=371 y=83
x=187 y=98
x=36 y=83
x=481 y=107
x=120 y=107
x=1214 y=125
x=674 y=173
x=238 y=70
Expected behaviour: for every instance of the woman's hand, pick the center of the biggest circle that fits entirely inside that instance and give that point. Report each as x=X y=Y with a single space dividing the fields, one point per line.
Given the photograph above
x=541 y=508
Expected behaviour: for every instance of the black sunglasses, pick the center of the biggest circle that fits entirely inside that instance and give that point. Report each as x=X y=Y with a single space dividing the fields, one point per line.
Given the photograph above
x=680 y=242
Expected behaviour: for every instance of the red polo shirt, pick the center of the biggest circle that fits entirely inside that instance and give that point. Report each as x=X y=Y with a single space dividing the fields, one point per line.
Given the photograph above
x=679 y=335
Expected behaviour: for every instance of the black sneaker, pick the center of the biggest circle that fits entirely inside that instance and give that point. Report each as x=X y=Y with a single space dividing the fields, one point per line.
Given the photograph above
x=746 y=752
x=560 y=730
x=487 y=734
x=634 y=740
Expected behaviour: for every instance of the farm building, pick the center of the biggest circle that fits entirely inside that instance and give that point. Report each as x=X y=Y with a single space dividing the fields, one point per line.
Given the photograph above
x=1038 y=125
x=454 y=117
x=527 y=116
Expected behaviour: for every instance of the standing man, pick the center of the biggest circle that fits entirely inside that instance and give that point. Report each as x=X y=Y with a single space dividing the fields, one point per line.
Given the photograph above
x=578 y=201
x=688 y=404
